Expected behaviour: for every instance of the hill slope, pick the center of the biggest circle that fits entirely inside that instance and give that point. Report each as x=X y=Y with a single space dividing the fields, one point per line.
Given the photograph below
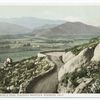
x=69 y=28
x=8 y=28
x=81 y=73
x=31 y=22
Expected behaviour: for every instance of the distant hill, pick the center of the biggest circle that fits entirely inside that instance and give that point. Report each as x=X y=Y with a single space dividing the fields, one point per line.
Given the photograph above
x=46 y=26
x=31 y=22
x=69 y=28
x=8 y=28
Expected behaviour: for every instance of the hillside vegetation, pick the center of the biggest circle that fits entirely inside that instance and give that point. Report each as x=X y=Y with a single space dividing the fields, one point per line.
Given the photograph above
x=92 y=43
x=15 y=77
x=81 y=74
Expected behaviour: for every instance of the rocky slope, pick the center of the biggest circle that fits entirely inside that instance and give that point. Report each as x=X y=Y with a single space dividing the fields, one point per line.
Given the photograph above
x=77 y=70
x=16 y=77
x=81 y=74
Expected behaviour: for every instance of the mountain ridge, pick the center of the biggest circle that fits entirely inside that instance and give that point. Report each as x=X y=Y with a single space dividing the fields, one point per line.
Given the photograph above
x=31 y=22
x=8 y=28
x=69 y=28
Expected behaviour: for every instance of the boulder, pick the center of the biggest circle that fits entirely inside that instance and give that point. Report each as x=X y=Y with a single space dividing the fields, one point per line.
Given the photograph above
x=82 y=85
x=41 y=55
x=96 y=56
x=67 y=56
x=65 y=88
x=95 y=88
x=8 y=62
x=82 y=59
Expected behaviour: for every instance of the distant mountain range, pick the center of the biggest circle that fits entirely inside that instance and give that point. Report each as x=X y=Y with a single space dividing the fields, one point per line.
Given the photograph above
x=8 y=28
x=69 y=28
x=31 y=22
x=44 y=27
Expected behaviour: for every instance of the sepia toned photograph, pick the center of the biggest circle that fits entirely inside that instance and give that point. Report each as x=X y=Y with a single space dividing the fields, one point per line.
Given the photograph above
x=49 y=49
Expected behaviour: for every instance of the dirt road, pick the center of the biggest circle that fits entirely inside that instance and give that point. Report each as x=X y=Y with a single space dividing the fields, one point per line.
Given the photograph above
x=48 y=83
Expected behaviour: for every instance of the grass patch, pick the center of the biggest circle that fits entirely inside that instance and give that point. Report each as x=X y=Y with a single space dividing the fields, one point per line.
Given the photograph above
x=76 y=49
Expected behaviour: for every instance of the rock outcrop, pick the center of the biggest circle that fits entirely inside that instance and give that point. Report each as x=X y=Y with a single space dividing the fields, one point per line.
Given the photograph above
x=82 y=85
x=81 y=74
x=82 y=59
x=67 y=56
x=96 y=56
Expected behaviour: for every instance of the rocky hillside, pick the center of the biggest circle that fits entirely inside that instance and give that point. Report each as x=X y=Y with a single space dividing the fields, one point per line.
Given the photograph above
x=77 y=70
x=81 y=72
x=16 y=77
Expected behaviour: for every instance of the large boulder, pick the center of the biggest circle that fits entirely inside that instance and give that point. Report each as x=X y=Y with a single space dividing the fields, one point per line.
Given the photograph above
x=82 y=59
x=96 y=56
x=67 y=56
x=41 y=55
x=8 y=62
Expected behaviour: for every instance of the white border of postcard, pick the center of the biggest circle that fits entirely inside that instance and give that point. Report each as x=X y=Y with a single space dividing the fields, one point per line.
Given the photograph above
x=50 y=3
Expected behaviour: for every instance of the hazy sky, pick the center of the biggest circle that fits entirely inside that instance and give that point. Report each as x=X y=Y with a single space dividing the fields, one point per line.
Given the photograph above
x=87 y=14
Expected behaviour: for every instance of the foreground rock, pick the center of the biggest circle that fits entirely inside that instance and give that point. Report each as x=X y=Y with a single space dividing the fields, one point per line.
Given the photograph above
x=82 y=85
x=67 y=56
x=83 y=78
x=96 y=56
x=82 y=59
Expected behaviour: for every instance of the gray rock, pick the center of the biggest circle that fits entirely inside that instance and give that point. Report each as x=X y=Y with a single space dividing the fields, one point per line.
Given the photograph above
x=82 y=85
x=82 y=59
x=67 y=56
x=96 y=56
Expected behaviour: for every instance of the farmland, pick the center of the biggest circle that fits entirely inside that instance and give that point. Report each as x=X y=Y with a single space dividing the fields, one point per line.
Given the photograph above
x=23 y=46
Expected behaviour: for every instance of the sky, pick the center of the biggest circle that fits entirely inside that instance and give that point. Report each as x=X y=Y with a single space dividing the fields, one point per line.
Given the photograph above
x=86 y=14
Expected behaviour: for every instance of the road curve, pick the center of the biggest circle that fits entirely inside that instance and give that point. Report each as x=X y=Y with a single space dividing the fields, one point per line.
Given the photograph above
x=49 y=82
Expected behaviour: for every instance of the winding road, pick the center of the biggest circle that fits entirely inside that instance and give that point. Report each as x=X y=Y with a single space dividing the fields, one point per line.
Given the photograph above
x=49 y=82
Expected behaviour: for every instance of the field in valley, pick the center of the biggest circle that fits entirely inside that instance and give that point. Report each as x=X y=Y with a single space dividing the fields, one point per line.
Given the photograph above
x=23 y=46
